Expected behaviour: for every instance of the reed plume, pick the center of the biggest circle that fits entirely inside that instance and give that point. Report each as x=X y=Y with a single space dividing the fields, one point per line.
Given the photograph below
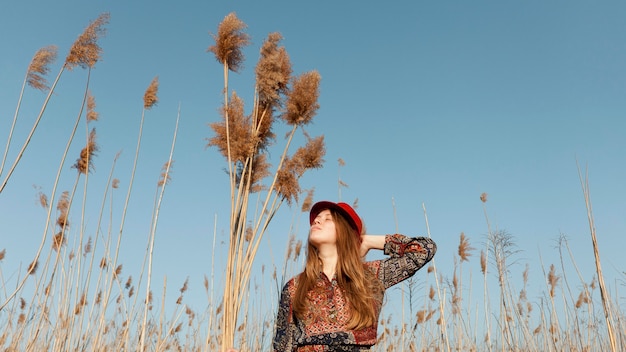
x=32 y=267
x=85 y=52
x=166 y=173
x=233 y=132
x=464 y=248
x=308 y=157
x=92 y=114
x=308 y=201
x=42 y=198
x=302 y=100
x=84 y=163
x=150 y=97
x=58 y=240
x=39 y=67
x=553 y=280
x=229 y=42
x=63 y=207
x=273 y=71
x=35 y=77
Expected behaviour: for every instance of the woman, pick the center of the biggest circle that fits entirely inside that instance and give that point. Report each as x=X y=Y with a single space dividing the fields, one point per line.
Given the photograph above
x=335 y=303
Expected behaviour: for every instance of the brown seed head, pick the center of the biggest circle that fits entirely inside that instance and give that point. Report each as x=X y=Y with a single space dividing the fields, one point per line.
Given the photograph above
x=85 y=51
x=115 y=183
x=58 y=240
x=297 y=249
x=483 y=262
x=483 y=197
x=308 y=200
x=287 y=185
x=39 y=67
x=290 y=244
x=237 y=134
x=580 y=300
x=229 y=42
x=310 y=156
x=117 y=271
x=103 y=263
x=85 y=162
x=273 y=71
x=525 y=275
x=464 y=248
x=32 y=267
x=260 y=170
x=150 y=97
x=63 y=208
x=166 y=173
x=421 y=315
x=3 y=253
x=185 y=286
x=80 y=304
x=249 y=234
x=553 y=279
x=43 y=199
x=88 y=246
x=302 y=99
x=92 y=114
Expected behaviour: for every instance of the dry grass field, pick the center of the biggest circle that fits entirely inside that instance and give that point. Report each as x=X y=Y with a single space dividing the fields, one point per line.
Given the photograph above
x=76 y=296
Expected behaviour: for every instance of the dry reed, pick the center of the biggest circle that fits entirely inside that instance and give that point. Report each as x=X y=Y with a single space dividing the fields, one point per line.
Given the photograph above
x=68 y=309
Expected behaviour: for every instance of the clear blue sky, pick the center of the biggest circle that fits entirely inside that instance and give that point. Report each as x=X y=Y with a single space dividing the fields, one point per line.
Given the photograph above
x=427 y=102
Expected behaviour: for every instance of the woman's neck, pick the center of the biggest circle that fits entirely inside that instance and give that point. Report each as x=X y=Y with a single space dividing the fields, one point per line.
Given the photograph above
x=328 y=256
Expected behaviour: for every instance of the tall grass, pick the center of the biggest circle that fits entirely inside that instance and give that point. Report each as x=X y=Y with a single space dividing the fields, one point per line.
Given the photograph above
x=74 y=295
x=245 y=140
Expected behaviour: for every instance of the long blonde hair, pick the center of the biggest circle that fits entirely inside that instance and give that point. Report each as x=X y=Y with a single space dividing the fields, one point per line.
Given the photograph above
x=362 y=290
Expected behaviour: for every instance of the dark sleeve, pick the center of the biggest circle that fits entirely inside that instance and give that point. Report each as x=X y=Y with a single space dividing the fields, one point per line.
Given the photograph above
x=283 y=331
x=406 y=256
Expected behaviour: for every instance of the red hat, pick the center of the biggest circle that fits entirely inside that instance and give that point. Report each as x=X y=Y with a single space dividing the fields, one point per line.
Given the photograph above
x=342 y=208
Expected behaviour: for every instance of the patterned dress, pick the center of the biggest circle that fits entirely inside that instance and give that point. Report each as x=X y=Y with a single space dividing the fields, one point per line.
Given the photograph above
x=330 y=312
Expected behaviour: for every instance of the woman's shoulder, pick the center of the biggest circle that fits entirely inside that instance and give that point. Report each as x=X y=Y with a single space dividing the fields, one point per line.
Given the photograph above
x=291 y=284
x=372 y=265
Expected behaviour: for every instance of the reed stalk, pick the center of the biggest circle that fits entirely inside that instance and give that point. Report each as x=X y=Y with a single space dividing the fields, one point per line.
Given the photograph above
x=604 y=294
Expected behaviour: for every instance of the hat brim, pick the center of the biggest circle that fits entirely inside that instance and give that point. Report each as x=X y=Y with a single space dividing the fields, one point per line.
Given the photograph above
x=322 y=205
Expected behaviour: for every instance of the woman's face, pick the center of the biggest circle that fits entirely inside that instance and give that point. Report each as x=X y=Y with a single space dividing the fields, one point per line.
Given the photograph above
x=323 y=229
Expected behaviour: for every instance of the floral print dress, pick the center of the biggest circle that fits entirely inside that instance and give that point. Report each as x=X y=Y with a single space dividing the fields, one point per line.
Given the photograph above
x=330 y=311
